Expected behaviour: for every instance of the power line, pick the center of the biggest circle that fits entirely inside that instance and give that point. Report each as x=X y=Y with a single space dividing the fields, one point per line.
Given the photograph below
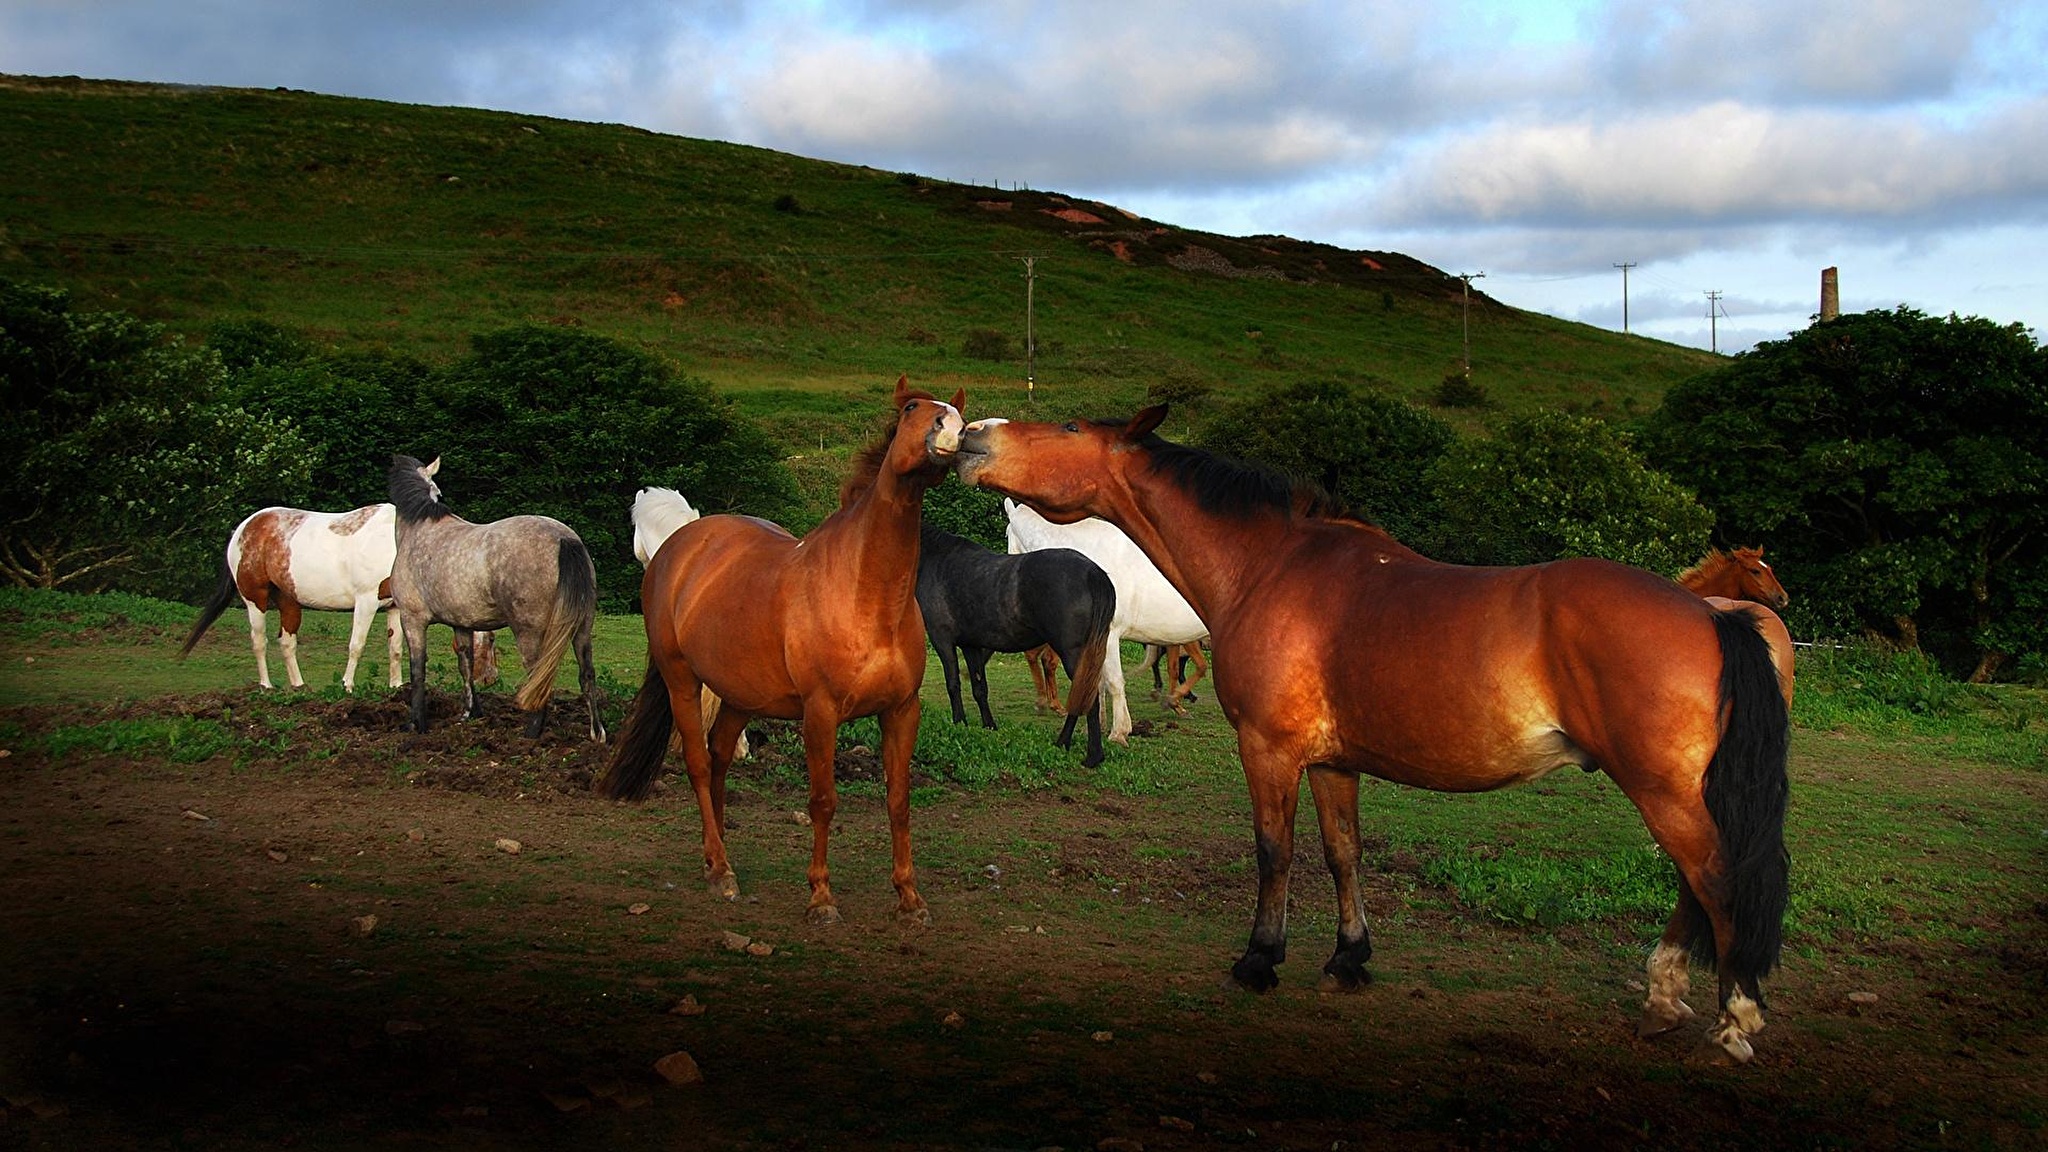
x=1714 y=312
x=1465 y=298
x=1030 y=332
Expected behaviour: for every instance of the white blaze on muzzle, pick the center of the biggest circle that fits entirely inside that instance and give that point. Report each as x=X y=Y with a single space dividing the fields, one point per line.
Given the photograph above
x=945 y=436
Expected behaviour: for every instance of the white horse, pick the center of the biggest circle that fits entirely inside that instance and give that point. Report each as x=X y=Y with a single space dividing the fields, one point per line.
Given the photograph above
x=1147 y=607
x=333 y=561
x=657 y=513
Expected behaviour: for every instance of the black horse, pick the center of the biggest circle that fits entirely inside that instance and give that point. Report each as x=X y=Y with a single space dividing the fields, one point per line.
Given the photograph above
x=982 y=601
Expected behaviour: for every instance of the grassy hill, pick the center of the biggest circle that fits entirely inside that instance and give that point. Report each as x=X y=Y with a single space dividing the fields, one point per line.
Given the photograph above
x=798 y=287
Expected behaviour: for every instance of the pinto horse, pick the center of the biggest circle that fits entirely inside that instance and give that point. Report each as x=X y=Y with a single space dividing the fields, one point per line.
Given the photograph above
x=531 y=574
x=1467 y=679
x=295 y=559
x=1740 y=581
x=819 y=630
x=983 y=602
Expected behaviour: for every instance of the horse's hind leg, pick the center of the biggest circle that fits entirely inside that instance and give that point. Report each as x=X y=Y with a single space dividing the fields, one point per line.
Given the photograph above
x=1336 y=794
x=529 y=643
x=1113 y=689
x=1666 y=973
x=977 y=678
x=394 y=645
x=586 y=680
x=1184 y=680
x=258 y=640
x=288 y=620
x=364 y=615
x=465 y=671
x=685 y=694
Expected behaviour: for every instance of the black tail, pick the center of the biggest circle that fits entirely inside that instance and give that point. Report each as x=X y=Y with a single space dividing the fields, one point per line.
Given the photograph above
x=1086 y=676
x=644 y=743
x=224 y=594
x=1746 y=792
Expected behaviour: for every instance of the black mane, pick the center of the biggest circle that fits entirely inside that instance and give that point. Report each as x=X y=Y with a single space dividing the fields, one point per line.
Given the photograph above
x=1233 y=488
x=412 y=493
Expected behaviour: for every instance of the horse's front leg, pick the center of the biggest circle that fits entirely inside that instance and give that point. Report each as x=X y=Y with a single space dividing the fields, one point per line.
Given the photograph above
x=1336 y=794
x=949 y=664
x=416 y=651
x=465 y=670
x=821 y=737
x=899 y=736
x=1275 y=781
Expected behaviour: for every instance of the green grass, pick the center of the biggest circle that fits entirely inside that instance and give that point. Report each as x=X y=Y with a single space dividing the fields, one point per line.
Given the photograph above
x=1872 y=857
x=382 y=225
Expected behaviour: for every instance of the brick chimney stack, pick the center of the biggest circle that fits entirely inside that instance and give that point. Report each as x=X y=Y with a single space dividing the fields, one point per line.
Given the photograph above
x=1830 y=296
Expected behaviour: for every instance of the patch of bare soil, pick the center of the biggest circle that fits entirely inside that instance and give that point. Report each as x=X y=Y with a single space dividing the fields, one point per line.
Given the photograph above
x=339 y=935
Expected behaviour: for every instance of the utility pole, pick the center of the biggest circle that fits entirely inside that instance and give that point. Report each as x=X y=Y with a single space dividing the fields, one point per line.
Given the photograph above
x=1030 y=331
x=1624 y=294
x=1713 y=316
x=1466 y=291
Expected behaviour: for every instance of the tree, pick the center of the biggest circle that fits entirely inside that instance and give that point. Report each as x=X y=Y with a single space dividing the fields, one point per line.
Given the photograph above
x=570 y=424
x=1552 y=485
x=1896 y=463
x=1363 y=446
x=124 y=462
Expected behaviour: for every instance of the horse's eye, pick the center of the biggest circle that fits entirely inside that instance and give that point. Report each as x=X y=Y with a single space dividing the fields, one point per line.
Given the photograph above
x=1071 y=426
x=912 y=406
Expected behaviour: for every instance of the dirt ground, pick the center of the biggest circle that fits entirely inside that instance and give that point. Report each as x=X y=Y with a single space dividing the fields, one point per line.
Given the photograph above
x=186 y=961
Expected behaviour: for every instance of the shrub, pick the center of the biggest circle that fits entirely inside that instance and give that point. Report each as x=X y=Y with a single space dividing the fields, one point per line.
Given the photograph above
x=1457 y=390
x=787 y=203
x=985 y=344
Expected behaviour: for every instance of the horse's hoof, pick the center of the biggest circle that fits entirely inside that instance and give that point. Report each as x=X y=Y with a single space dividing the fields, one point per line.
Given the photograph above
x=1658 y=1021
x=1252 y=977
x=1728 y=1050
x=918 y=917
x=1343 y=980
x=820 y=915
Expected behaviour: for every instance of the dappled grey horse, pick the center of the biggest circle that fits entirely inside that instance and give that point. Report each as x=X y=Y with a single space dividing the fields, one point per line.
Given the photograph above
x=527 y=573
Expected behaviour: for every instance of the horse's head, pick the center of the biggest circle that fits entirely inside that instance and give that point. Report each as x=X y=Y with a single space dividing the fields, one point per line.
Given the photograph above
x=1759 y=583
x=927 y=431
x=413 y=491
x=1058 y=469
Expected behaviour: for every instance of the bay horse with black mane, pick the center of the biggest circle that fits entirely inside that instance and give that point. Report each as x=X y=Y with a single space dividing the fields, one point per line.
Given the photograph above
x=981 y=601
x=1341 y=652
x=820 y=630
x=531 y=574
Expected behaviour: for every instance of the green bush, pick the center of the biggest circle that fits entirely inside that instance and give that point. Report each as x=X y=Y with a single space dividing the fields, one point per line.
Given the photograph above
x=1361 y=444
x=986 y=344
x=1457 y=390
x=1551 y=485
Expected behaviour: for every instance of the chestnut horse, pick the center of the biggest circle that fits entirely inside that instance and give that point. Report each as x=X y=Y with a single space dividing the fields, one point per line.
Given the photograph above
x=819 y=630
x=1741 y=581
x=1468 y=679
x=1738 y=575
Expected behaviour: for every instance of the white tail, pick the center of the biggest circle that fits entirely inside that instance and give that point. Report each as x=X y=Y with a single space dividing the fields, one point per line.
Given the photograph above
x=657 y=513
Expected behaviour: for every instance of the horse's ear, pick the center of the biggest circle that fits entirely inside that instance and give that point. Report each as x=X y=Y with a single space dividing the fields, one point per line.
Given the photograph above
x=960 y=400
x=1144 y=422
x=430 y=469
x=902 y=389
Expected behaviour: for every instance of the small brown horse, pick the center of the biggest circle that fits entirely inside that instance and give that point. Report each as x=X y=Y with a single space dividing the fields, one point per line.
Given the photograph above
x=1469 y=679
x=1740 y=581
x=820 y=630
x=1738 y=575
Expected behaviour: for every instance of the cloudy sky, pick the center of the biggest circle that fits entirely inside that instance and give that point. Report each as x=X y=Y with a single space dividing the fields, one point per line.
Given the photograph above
x=1738 y=146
